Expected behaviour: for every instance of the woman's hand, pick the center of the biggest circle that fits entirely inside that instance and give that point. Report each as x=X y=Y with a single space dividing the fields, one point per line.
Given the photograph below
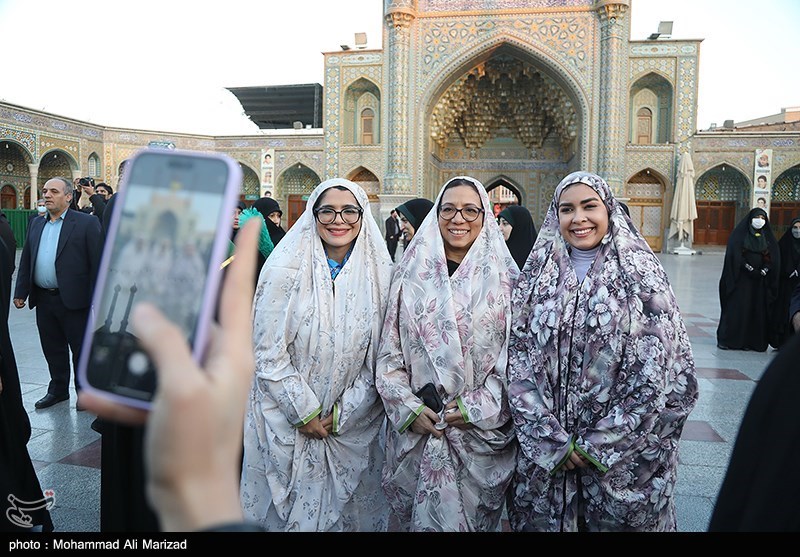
x=575 y=460
x=315 y=429
x=424 y=424
x=454 y=417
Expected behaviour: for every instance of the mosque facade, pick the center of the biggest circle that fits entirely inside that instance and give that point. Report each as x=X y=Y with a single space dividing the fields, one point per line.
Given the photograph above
x=516 y=93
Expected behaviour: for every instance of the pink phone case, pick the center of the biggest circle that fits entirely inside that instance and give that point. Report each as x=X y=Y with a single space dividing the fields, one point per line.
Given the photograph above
x=219 y=252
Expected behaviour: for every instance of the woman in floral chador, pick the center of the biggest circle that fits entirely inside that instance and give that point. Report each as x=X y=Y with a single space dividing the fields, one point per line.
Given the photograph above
x=447 y=325
x=313 y=451
x=601 y=374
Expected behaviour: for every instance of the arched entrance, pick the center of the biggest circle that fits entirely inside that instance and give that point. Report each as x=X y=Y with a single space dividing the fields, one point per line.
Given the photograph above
x=502 y=193
x=785 y=202
x=296 y=182
x=504 y=111
x=722 y=193
x=251 y=185
x=56 y=163
x=645 y=193
x=361 y=121
x=650 y=112
x=14 y=172
x=371 y=185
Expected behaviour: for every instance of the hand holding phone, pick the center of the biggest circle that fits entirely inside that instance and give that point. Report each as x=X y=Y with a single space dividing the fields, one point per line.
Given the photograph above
x=167 y=238
x=430 y=396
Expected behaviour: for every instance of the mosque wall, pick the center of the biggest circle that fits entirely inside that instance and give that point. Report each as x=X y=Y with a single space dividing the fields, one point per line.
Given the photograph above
x=414 y=91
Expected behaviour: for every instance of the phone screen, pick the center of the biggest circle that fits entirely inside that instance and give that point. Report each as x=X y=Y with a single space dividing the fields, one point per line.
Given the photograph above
x=162 y=247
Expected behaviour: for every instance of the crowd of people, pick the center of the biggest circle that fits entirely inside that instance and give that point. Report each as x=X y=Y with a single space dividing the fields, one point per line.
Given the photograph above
x=488 y=368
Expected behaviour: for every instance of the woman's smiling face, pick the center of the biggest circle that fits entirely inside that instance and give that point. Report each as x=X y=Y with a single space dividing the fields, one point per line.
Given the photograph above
x=582 y=216
x=459 y=234
x=338 y=234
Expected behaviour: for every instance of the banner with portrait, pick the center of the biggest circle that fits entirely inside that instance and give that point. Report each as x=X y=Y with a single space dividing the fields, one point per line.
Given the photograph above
x=267 y=169
x=762 y=179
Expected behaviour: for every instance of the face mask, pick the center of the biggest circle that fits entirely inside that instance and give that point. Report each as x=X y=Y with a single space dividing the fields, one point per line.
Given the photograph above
x=796 y=233
x=41 y=209
x=758 y=224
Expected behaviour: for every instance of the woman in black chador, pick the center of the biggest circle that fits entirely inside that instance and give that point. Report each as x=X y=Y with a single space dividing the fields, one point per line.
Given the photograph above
x=519 y=232
x=748 y=287
x=789 y=245
x=758 y=493
x=23 y=505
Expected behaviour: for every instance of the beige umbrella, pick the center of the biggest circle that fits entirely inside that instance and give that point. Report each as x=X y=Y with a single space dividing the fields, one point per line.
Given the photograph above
x=684 y=208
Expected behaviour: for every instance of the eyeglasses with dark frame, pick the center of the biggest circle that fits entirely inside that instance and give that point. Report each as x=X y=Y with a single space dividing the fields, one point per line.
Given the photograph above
x=469 y=213
x=326 y=215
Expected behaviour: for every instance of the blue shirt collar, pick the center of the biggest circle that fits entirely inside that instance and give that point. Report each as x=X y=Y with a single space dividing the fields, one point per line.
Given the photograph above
x=336 y=267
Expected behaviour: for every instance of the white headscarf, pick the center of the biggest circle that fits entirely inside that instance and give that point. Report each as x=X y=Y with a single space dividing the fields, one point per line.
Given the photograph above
x=455 y=323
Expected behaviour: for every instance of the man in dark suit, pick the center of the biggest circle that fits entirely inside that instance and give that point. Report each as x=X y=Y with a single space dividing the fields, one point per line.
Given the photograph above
x=392 y=233
x=57 y=272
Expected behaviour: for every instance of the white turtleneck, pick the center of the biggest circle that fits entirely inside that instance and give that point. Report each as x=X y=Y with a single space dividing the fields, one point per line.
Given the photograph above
x=582 y=260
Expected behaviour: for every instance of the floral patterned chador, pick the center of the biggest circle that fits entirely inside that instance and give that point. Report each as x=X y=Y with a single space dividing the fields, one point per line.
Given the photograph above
x=451 y=331
x=603 y=367
x=315 y=350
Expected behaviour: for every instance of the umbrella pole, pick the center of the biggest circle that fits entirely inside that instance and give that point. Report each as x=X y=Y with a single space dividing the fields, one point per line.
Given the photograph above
x=682 y=249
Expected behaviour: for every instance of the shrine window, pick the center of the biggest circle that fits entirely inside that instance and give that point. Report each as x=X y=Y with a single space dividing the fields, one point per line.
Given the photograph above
x=644 y=126
x=367 y=123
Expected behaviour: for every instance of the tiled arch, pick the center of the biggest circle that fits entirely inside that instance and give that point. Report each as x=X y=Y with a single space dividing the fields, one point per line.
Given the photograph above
x=467 y=56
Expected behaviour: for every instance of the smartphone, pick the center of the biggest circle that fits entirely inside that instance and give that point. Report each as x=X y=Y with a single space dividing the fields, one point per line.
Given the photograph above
x=430 y=396
x=168 y=235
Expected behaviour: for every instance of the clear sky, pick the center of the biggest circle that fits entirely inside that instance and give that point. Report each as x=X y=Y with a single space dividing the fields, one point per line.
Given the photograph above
x=164 y=64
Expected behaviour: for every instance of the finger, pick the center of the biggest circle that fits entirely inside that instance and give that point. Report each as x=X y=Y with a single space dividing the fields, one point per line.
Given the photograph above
x=165 y=344
x=239 y=286
x=110 y=410
x=236 y=305
x=430 y=414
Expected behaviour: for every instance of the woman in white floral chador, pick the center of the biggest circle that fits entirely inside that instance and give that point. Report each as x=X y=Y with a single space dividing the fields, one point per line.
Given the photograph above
x=601 y=373
x=312 y=446
x=447 y=324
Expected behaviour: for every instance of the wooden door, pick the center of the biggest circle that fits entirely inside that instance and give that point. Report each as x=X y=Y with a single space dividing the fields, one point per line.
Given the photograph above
x=781 y=214
x=646 y=215
x=715 y=222
x=296 y=205
x=8 y=197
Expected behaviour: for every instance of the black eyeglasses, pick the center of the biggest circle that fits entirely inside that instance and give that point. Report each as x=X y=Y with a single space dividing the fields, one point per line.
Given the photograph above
x=468 y=213
x=350 y=215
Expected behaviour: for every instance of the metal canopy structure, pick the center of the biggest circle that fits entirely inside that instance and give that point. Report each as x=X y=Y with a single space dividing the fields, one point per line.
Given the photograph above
x=280 y=106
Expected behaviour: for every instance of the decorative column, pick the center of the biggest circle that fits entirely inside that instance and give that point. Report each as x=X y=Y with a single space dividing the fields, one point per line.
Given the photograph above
x=399 y=14
x=613 y=105
x=34 y=172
